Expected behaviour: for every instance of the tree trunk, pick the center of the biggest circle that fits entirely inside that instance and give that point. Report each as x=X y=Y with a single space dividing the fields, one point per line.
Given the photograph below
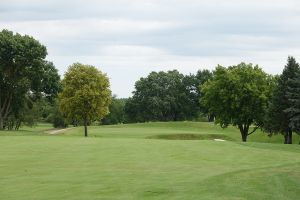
x=285 y=138
x=5 y=107
x=18 y=125
x=290 y=137
x=1 y=123
x=85 y=128
x=244 y=137
x=210 y=118
x=244 y=132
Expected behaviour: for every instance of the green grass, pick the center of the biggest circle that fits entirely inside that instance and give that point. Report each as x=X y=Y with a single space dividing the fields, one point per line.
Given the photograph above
x=162 y=130
x=121 y=162
x=40 y=129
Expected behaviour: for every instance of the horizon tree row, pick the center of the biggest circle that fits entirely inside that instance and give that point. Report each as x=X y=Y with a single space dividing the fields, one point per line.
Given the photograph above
x=243 y=95
x=166 y=96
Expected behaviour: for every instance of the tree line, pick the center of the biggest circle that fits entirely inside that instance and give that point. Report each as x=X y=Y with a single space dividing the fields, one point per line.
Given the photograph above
x=242 y=95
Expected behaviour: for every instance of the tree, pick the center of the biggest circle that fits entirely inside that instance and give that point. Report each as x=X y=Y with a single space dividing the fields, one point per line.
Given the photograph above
x=237 y=95
x=116 y=112
x=23 y=72
x=166 y=96
x=202 y=77
x=293 y=112
x=192 y=84
x=86 y=94
x=161 y=96
x=50 y=113
x=280 y=112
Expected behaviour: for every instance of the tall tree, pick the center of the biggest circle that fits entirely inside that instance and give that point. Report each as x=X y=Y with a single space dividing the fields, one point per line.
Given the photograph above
x=293 y=112
x=279 y=114
x=86 y=94
x=237 y=95
x=23 y=71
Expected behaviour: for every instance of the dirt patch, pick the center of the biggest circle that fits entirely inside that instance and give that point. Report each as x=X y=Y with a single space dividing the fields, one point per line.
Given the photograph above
x=58 y=131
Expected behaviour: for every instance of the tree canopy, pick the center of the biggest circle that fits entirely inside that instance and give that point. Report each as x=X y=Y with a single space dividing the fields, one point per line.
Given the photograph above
x=24 y=73
x=237 y=95
x=282 y=103
x=293 y=112
x=165 y=96
x=116 y=112
x=86 y=94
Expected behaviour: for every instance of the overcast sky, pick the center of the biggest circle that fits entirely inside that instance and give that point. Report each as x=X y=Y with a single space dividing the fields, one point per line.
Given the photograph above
x=127 y=39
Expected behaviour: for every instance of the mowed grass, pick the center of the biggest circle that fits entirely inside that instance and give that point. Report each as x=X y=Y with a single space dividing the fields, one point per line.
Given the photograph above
x=147 y=161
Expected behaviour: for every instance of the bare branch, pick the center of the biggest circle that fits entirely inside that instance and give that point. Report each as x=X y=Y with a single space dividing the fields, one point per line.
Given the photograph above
x=253 y=130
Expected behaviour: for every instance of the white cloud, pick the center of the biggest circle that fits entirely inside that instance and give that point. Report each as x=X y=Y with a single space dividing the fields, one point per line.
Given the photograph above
x=132 y=51
x=85 y=28
x=129 y=38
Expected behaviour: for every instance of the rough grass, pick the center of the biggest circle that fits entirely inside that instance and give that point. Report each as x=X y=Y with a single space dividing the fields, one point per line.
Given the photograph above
x=118 y=162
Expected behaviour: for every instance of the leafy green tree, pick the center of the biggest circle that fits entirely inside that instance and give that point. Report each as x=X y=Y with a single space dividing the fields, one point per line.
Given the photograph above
x=160 y=96
x=166 y=96
x=192 y=107
x=116 y=112
x=86 y=94
x=23 y=72
x=237 y=95
x=202 y=77
x=28 y=114
x=282 y=107
x=57 y=119
x=50 y=113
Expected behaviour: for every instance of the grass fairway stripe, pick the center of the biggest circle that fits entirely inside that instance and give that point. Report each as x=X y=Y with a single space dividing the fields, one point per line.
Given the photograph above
x=69 y=166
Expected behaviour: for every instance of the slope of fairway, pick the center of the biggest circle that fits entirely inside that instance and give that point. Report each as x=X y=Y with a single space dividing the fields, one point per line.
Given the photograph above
x=95 y=168
x=165 y=130
x=119 y=162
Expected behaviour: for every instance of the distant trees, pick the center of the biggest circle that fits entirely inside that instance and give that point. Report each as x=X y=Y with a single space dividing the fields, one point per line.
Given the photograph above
x=241 y=95
x=193 y=93
x=238 y=95
x=52 y=114
x=165 y=96
x=202 y=77
x=86 y=94
x=157 y=97
x=116 y=112
x=283 y=113
x=24 y=77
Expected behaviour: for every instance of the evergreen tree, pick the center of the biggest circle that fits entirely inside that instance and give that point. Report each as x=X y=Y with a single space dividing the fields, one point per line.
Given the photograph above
x=278 y=119
x=293 y=95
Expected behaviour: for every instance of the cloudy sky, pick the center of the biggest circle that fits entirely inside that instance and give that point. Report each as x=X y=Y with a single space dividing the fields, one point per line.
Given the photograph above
x=127 y=39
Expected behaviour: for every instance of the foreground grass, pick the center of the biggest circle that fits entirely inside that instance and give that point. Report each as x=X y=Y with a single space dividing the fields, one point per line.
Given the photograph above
x=117 y=162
